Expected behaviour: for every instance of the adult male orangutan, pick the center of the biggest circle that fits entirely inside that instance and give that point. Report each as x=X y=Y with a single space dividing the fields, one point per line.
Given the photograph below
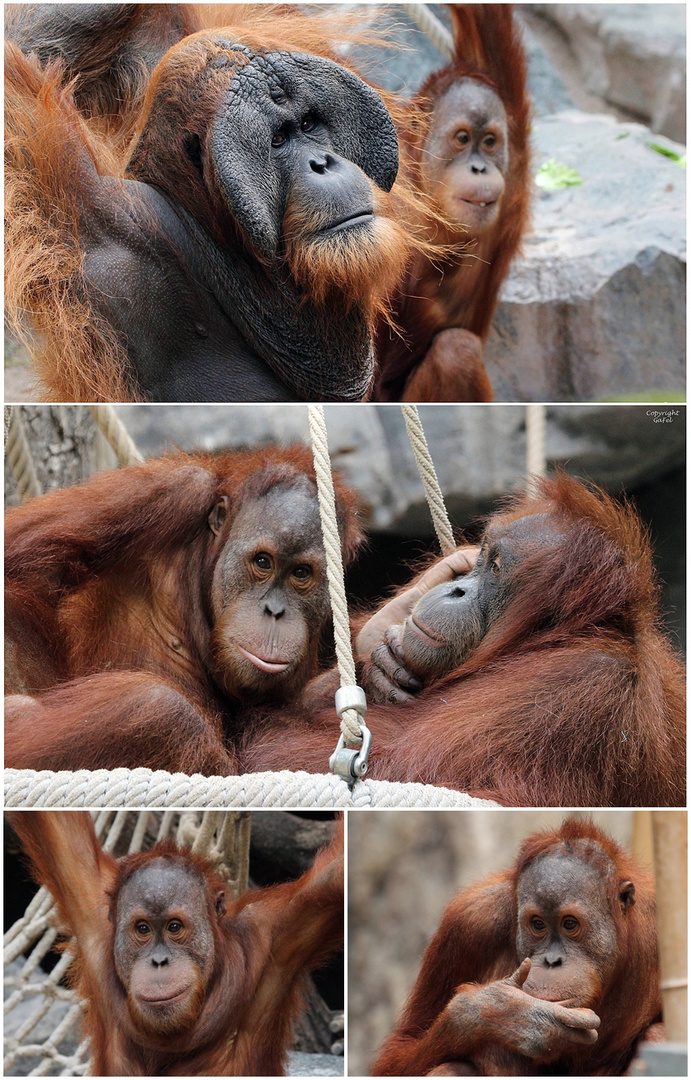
x=242 y=243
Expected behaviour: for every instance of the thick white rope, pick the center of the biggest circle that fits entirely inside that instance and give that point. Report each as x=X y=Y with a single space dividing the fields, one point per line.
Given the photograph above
x=350 y=720
x=19 y=456
x=536 y=433
x=435 y=499
x=137 y=788
x=440 y=37
x=114 y=430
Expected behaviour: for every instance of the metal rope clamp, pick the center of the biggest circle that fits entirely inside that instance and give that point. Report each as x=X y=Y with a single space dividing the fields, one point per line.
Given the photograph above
x=345 y=762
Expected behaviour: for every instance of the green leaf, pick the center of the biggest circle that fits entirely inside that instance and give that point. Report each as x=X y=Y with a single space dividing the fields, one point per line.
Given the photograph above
x=652 y=397
x=679 y=159
x=554 y=175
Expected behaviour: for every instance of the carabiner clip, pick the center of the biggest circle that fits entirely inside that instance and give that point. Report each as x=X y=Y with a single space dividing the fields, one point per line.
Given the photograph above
x=351 y=764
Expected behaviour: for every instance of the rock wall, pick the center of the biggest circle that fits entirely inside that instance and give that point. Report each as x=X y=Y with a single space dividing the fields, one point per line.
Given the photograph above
x=479 y=452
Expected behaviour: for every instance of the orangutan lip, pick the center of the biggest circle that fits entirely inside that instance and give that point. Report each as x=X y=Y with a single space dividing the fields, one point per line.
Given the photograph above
x=358 y=218
x=476 y=202
x=434 y=638
x=164 y=1000
x=272 y=667
x=554 y=995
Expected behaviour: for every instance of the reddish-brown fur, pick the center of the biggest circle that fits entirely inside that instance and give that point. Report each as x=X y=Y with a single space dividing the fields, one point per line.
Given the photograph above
x=476 y=943
x=107 y=610
x=264 y=944
x=574 y=697
x=460 y=291
x=111 y=84
x=62 y=137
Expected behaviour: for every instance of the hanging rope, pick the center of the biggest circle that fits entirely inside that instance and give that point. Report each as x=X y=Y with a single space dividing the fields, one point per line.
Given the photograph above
x=440 y=37
x=19 y=456
x=351 y=704
x=536 y=431
x=435 y=499
x=114 y=430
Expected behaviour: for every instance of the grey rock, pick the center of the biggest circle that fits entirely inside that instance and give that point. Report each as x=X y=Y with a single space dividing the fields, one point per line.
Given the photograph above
x=631 y=55
x=410 y=58
x=406 y=61
x=314 y=1064
x=595 y=308
x=479 y=453
x=545 y=83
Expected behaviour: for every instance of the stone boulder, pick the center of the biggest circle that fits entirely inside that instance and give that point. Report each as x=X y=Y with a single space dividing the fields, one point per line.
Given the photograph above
x=595 y=308
x=631 y=55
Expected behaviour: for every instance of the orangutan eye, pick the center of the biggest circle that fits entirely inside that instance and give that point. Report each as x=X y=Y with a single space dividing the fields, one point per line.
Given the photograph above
x=495 y=566
x=462 y=137
x=308 y=123
x=302 y=573
x=174 y=926
x=142 y=929
x=262 y=561
x=278 y=139
x=489 y=141
x=570 y=923
x=537 y=924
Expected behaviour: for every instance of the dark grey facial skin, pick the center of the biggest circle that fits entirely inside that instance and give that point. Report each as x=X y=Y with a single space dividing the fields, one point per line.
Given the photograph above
x=566 y=928
x=270 y=592
x=449 y=622
x=285 y=525
x=162 y=932
x=466 y=154
x=318 y=131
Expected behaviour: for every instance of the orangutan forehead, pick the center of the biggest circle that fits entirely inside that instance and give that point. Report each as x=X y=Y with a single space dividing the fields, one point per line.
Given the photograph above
x=529 y=531
x=562 y=876
x=472 y=100
x=287 y=514
x=161 y=884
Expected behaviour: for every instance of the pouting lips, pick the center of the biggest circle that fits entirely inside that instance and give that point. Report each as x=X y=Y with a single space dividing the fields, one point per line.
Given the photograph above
x=169 y=999
x=435 y=639
x=270 y=666
x=542 y=993
x=358 y=218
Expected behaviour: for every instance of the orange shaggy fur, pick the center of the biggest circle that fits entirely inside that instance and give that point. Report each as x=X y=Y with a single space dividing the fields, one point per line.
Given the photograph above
x=54 y=156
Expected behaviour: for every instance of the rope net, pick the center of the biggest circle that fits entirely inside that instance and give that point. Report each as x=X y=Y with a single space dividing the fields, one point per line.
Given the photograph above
x=41 y=1017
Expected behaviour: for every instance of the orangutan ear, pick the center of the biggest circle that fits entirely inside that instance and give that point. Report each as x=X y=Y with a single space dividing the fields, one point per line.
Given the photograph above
x=627 y=895
x=218 y=514
x=220 y=904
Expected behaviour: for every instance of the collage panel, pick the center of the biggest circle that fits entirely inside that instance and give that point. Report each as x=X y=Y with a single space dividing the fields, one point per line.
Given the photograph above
x=155 y=551
x=172 y=615
x=207 y=943
x=517 y=943
x=340 y=203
